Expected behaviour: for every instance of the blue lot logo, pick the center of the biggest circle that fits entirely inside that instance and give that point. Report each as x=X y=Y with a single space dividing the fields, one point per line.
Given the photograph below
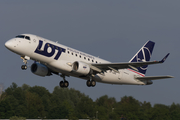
x=51 y=52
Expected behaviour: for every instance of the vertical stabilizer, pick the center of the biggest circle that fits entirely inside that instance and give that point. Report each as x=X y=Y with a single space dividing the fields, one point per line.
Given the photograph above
x=143 y=55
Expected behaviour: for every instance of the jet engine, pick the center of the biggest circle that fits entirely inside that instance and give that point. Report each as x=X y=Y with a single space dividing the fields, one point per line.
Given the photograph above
x=81 y=68
x=149 y=82
x=40 y=69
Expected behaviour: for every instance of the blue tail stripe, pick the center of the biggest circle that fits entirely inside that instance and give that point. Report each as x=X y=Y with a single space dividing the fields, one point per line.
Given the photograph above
x=143 y=55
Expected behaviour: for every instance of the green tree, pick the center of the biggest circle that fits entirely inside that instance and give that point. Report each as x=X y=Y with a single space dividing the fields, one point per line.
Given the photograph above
x=160 y=112
x=175 y=111
x=67 y=99
x=36 y=102
x=5 y=109
x=85 y=108
x=40 y=91
x=145 y=111
x=129 y=108
x=17 y=118
x=105 y=107
x=61 y=111
x=14 y=98
x=10 y=90
x=34 y=106
x=25 y=87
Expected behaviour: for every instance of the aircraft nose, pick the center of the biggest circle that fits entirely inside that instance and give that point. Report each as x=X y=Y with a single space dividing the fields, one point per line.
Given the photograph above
x=9 y=44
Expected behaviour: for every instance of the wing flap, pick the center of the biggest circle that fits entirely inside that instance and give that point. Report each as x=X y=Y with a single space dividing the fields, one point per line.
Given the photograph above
x=153 y=77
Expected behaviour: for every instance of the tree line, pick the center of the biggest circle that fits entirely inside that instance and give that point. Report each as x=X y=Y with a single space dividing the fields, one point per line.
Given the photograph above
x=38 y=103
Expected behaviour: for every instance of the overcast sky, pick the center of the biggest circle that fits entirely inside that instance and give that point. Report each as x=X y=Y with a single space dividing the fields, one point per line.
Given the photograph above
x=112 y=29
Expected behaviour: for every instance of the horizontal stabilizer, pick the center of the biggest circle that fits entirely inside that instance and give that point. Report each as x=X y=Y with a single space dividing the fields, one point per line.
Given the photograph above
x=153 y=77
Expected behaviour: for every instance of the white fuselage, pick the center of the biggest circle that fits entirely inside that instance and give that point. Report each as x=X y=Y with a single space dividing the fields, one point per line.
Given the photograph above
x=63 y=57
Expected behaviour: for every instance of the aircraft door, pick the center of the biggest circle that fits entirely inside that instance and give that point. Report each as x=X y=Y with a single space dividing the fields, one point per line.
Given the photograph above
x=34 y=40
x=33 y=43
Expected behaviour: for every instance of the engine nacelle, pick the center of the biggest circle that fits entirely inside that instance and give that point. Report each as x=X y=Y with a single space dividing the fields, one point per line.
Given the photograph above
x=81 y=68
x=40 y=69
x=149 y=82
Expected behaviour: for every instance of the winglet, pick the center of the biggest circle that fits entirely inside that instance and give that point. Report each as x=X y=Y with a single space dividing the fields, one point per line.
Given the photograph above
x=164 y=58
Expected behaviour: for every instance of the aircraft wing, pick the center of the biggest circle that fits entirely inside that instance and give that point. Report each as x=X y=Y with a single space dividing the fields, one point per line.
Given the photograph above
x=153 y=77
x=116 y=66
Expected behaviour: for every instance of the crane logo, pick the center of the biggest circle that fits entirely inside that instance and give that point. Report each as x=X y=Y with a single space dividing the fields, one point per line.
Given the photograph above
x=143 y=56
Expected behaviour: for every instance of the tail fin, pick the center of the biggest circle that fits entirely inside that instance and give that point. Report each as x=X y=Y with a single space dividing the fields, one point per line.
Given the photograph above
x=143 y=55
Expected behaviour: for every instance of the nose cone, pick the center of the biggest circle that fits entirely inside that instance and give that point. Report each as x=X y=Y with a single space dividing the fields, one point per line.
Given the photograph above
x=9 y=44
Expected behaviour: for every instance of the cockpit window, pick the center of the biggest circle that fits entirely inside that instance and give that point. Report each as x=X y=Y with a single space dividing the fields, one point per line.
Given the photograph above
x=20 y=36
x=27 y=37
x=23 y=36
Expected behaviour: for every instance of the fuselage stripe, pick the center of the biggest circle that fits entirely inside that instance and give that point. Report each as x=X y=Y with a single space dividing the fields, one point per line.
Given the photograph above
x=136 y=72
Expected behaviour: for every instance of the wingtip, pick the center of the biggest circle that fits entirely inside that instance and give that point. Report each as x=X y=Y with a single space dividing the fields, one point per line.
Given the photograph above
x=164 y=58
x=170 y=76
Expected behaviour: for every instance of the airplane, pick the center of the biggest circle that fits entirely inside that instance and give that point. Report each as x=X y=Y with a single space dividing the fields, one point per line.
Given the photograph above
x=53 y=58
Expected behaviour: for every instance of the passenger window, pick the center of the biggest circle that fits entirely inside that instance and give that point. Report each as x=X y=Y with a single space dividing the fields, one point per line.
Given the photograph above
x=84 y=57
x=92 y=60
x=27 y=37
x=80 y=56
